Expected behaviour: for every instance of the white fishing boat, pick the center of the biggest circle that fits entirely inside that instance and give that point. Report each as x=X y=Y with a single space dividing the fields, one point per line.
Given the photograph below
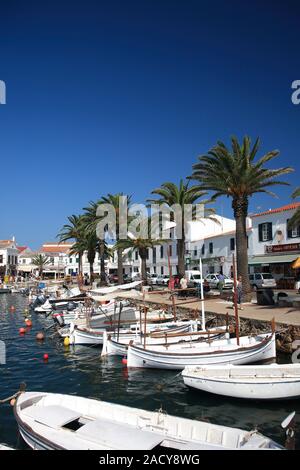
x=5 y=447
x=67 y=422
x=94 y=336
x=225 y=351
x=117 y=345
x=258 y=382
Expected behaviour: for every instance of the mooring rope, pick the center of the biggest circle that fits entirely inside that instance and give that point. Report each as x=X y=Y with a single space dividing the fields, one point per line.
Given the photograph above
x=15 y=395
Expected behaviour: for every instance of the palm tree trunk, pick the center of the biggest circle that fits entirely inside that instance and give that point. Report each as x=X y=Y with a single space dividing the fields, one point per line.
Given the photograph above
x=240 y=212
x=143 y=256
x=181 y=256
x=102 y=264
x=80 y=263
x=91 y=271
x=120 y=266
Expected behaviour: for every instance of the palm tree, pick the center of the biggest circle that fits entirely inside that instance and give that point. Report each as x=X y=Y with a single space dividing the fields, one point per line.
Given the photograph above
x=74 y=230
x=90 y=221
x=141 y=245
x=235 y=174
x=93 y=219
x=41 y=262
x=182 y=194
x=295 y=220
x=89 y=244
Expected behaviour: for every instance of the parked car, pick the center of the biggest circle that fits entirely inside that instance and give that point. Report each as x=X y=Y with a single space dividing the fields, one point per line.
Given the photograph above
x=213 y=281
x=152 y=279
x=162 y=280
x=193 y=277
x=260 y=280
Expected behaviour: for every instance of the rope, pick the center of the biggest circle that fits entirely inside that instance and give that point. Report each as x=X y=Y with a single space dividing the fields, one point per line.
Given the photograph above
x=15 y=395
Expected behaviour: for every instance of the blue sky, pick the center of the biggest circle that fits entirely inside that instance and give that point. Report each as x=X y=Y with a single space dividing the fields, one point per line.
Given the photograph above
x=124 y=95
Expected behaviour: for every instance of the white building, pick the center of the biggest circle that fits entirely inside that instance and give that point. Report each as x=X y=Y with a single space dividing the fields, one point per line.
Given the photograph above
x=8 y=257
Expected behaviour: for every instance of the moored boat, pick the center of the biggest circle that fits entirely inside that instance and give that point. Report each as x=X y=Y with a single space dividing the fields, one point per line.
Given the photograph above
x=50 y=421
x=258 y=382
x=224 y=351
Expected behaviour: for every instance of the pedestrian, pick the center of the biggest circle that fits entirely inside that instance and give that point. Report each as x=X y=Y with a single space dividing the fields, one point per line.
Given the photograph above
x=239 y=288
x=221 y=282
x=183 y=285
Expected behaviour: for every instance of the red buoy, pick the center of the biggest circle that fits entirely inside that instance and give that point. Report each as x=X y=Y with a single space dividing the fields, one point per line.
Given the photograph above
x=12 y=308
x=45 y=357
x=28 y=322
x=22 y=331
x=124 y=361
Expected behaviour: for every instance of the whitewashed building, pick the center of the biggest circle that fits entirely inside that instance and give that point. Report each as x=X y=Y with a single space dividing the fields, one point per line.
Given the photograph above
x=8 y=257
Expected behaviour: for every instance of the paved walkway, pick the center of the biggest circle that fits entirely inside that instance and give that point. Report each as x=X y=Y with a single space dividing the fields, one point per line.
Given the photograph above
x=283 y=315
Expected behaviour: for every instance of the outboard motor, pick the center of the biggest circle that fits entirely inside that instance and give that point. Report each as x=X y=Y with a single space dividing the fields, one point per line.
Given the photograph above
x=71 y=306
x=59 y=319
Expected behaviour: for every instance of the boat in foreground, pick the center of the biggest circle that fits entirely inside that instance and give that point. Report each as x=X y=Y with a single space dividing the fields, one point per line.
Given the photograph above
x=225 y=351
x=259 y=382
x=54 y=421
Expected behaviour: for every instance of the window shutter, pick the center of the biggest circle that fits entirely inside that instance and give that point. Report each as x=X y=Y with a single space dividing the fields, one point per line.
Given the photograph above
x=270 y=231
x=260 y=232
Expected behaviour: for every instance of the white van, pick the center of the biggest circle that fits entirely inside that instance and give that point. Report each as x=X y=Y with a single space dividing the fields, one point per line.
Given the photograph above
x=193 y=277
x=260 y=280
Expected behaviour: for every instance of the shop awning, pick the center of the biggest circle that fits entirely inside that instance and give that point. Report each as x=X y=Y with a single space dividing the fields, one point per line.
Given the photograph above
x=278 y=259
x=296 y=264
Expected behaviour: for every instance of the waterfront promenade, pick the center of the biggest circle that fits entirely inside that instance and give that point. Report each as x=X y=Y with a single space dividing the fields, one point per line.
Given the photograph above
x=284 y=316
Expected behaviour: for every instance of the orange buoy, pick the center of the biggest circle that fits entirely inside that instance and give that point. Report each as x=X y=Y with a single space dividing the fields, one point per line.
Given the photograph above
x=22 y=331
x=40 y=336
x=12 y=402
x=28 y=322
x=46 y=357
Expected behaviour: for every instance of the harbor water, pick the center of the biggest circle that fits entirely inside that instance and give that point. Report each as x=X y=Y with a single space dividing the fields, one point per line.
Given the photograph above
x=81 y=371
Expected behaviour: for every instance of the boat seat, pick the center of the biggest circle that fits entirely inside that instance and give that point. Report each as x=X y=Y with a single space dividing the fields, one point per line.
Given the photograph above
x=53 y=416
x=119 y=436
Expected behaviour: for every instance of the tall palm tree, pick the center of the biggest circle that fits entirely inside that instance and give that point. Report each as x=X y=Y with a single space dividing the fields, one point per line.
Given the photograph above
x=41 y=261
x=93 y=219
x=89 y=244
x=170 y=194
x=234 y=172
x=90 y=221
x=74 y=230
x=141 y=245
x=295 y=220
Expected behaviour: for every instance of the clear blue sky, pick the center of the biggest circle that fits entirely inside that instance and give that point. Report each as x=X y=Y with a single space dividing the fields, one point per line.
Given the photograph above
x=124 y=95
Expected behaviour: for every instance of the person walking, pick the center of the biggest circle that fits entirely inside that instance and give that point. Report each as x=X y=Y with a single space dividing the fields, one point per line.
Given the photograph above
x=239 y=287
x=221 y=282
x=183 y=285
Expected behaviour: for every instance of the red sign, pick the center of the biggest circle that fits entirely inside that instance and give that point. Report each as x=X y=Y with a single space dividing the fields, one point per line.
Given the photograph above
x=282 y=248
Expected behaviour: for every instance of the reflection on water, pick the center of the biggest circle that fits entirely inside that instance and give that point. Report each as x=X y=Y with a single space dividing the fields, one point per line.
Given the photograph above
x=81 y=371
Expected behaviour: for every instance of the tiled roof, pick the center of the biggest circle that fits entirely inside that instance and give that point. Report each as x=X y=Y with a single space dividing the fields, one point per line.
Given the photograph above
x=288 y=207
x=21 y=248
x=54 y=247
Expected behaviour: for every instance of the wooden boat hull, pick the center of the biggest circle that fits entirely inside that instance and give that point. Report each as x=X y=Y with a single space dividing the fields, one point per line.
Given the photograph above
x=263 y=348
x=53 y=421
x=248 y=382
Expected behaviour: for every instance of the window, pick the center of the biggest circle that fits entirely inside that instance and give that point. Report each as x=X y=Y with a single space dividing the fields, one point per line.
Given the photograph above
x=1 y=258
x=232 y=244
x=147 y=256
x=203 y=249
x=8 y=259
x=265 y=232
x=293 y=232
x=136 y=256
x=170 y=250
x=162 y=270
x=154 y=255
x=161 y=251
x=211 y=247
x=195 y=251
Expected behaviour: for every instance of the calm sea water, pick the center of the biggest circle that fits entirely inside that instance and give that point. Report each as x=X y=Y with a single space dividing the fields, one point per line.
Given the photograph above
x=80 y=371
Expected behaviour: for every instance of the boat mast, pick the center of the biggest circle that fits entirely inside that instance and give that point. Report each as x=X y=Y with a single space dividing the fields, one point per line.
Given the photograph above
x=236 y=313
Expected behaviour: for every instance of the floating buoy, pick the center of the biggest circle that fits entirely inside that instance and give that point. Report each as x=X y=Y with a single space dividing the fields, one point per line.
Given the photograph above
x=22 y=331
x=67 y=341
x=40 y=336
x=45 y=357
x=26 y=311
x=124 y=361
x=12 y=402
x=12 y=308
x=28 y=322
